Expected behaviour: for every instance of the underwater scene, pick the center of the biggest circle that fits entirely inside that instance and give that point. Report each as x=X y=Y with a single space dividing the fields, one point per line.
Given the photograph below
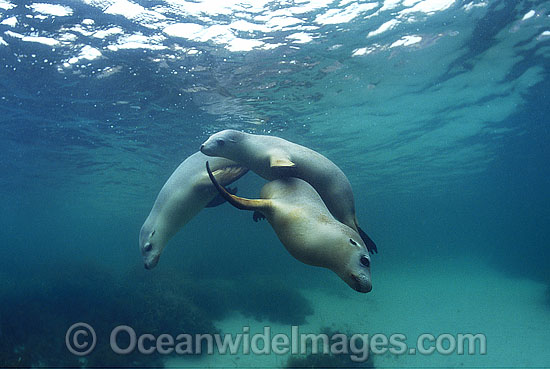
x=377 y=192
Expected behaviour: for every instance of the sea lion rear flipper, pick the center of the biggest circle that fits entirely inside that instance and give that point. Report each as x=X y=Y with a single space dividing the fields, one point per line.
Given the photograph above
x=218 y=200
x=371 y=247
x=238 y=202
x=258 y=216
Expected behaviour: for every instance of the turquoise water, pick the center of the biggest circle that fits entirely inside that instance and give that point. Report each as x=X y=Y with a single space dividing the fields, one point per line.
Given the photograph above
x=436 y=110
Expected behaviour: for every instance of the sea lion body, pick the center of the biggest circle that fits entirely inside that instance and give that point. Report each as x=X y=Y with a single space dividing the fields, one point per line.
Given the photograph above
x=185 y=193
x=308 y=230
x=273 y=158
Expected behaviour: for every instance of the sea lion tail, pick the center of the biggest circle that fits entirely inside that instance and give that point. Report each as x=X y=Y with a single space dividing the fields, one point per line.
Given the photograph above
x=235 y=201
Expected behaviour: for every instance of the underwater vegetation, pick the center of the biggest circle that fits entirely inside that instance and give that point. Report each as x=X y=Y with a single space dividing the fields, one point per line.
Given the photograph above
x=328 y=361
x=36 y=313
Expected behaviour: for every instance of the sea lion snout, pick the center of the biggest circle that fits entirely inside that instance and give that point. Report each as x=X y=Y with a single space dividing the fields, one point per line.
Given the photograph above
x=220 y=144
x=206 y=148
x=362 y=283
x=150 y=251
x=211 y=147
x=151 y=261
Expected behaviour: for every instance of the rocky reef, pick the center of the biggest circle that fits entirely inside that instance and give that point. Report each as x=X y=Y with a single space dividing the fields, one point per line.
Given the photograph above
x=329 y=361
x=37 y=311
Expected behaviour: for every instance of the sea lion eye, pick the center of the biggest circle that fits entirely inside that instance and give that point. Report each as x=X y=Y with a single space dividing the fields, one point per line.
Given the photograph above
x=353 y=242
x=148 y=247
x=220 y=142
x=152 y=233
x=364 y=261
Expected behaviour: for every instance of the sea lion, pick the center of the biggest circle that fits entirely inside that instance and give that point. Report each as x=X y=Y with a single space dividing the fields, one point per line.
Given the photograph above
x=185 y=193
x=307 y=229
x=272 y=158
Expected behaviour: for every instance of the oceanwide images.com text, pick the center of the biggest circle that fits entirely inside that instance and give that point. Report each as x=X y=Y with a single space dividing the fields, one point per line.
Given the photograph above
x=81 y=340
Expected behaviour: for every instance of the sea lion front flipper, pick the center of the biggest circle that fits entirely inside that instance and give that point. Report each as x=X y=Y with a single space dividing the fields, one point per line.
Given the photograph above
x=371 y=247
x=238 y=202
x=280 y=159
x=218 y=200
x=227 y=175
x=258 y=216
x=281 y=162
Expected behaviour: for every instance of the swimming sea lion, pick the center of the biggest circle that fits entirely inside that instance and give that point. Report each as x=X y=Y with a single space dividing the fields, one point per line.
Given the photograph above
x=272 y=158
x=185 y=193
x=308 y=230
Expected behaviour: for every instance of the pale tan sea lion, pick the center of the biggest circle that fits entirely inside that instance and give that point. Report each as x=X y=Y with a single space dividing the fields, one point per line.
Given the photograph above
x=185 y=193
x=272 y=158
x=308 y=230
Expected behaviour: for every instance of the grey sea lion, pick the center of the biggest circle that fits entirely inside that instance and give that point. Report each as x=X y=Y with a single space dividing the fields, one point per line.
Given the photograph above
x=307 y=229
x=185 y=193
x=272 y=158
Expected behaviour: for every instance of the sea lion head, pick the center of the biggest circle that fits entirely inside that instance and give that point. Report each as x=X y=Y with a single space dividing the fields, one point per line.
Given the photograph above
x=150 y=246
x=354 y=267
x=221 y=144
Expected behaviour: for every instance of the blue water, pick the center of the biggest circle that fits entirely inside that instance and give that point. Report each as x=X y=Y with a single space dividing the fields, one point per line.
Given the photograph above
x=436 y=110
